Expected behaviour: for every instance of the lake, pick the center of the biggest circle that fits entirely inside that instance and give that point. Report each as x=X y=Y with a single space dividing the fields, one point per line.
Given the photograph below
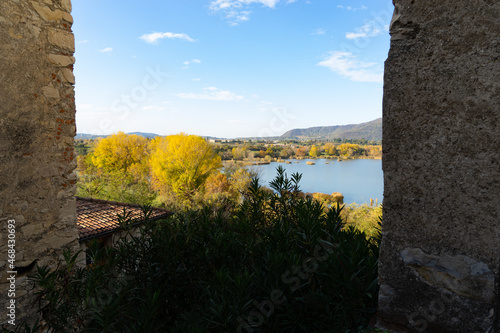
x=358 y=180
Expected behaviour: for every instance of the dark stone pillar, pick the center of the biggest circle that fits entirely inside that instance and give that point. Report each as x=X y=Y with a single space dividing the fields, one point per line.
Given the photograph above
x=439 y=264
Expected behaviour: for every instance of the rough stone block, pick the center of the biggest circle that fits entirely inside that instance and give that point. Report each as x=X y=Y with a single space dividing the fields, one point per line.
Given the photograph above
x=61 y=60
x=46 y=13
x=62 y=39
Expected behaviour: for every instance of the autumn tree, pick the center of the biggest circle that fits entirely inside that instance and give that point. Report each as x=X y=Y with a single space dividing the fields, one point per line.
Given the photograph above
x=239 y=153
x=329 y=149
x=287 y=152
x=117 y=169
x=272 y=151
x=121 y=152
x=182 y=163
x=224 y=190
x=350 y=150
x=374 y=151
x=314 y=151
x=302 y=151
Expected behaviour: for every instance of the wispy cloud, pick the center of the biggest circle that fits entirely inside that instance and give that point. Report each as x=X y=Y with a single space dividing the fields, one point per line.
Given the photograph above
x=188 y=62
x=106 y=50
x=154 y=37
x=346 y=64
x=352 y=8
x=237 y=11
x=196 y=79
x=319 y=31
x=82 y=42
x=213 y=94
x=371 y=29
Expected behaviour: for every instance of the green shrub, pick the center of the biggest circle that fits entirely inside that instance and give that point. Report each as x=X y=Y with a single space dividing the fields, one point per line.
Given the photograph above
x=277 y=263
x=363 y=217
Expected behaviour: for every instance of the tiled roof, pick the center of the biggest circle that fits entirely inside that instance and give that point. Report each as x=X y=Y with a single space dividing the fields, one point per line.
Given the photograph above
x=96 y=217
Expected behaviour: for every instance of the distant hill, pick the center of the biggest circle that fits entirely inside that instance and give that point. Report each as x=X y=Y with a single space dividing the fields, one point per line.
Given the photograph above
x=371 y=131
x=146 y=135
x=83 y=136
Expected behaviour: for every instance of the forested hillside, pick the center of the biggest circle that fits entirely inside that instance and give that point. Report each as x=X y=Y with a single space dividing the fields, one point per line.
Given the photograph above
x=371 y=131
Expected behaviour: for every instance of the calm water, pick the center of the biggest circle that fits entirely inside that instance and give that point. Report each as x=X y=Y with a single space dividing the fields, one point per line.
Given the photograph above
x=357 y=180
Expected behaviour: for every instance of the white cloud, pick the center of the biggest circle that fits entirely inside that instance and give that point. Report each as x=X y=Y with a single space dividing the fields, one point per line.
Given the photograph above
x=346 y=64
x=213 y=94
x=154 y=37
x=236 y=11
x=187 y=63
x=352 y=8
x=318 y=32
x=371 y=29
x=106 y=50
x=225 y=4
x=197 y=79
x=82 y=42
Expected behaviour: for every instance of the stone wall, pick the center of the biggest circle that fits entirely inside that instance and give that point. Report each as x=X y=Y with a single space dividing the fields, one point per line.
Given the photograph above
x=440 y=254
x=37 y=127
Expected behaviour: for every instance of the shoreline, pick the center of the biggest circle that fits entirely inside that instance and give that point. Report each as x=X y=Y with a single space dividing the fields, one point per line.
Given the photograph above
x=294 y=160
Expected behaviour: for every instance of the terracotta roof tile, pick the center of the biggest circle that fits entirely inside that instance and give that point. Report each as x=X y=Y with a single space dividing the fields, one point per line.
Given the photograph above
x=96 y=217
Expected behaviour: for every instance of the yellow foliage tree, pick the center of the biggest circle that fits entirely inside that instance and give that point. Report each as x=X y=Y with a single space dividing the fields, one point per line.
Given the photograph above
x=117 y=169
x=239 y=153
x=121 y=152
x=350 y=149
x=329 y=149
x=182 y=163
x=314 y=152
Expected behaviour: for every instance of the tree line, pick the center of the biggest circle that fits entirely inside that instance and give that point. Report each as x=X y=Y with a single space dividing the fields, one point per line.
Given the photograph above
x=185 y=171
x=178 y=171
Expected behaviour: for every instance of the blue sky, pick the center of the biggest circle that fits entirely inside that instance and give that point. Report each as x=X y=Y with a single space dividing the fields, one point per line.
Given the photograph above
x=228 y=68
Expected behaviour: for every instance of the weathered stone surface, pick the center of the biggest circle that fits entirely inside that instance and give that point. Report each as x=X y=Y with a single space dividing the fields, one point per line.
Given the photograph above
x=32 y=230
x=68 y=75
x=67 y=17
x=34 y=134
x=51 y=92
x=56 y=241
x=61 y=60
x=441 y=112
x=46 y=13
x=459 y=274
x=66 y=5
x=62 y=39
